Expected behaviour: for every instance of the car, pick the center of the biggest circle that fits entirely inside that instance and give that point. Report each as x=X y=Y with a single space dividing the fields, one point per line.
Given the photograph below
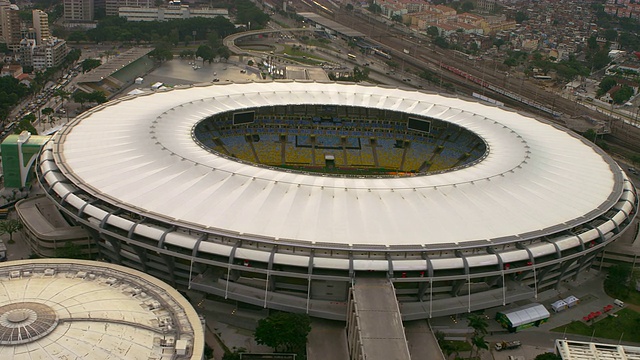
x=243 y=71
x=215 y=80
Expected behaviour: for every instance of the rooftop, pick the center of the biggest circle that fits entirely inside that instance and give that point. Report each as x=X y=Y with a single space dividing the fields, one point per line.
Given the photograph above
x=62 y=308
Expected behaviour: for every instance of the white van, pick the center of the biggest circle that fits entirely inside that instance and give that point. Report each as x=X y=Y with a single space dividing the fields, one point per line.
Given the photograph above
x=618 y=302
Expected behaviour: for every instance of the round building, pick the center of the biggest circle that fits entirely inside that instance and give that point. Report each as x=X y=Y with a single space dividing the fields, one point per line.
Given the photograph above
x=61 y=308
x=282 y=194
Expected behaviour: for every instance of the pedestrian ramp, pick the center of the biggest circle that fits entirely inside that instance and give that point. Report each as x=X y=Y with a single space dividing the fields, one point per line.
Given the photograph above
x=374 y=324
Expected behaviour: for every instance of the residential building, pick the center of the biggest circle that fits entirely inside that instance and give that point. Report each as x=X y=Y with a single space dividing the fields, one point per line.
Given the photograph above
x=11 y=70
x=43 y=56
x=78 y=10
x=41 y=26
x=10 y=24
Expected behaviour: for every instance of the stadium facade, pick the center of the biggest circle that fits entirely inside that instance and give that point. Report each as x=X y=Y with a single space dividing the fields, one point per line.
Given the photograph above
x=158 y=182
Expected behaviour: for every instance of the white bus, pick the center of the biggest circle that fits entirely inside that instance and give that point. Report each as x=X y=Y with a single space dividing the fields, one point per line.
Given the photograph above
x=351 y=56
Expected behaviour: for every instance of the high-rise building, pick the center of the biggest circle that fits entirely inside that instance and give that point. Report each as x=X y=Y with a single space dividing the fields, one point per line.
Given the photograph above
x=41 y=26
x=10 y=24
x=78 y=10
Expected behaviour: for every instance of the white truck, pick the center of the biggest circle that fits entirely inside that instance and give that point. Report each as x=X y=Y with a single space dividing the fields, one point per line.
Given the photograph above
x=504 y=345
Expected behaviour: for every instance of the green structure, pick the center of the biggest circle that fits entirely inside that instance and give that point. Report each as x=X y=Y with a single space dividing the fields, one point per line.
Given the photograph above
x=523 y=317
x=19 y=152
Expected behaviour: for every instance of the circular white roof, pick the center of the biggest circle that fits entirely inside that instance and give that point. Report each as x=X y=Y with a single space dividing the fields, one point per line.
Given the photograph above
x=139 y=153
x=76 y=309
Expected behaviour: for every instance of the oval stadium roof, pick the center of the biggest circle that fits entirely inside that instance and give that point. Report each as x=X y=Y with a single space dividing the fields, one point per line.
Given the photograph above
x=139 y=153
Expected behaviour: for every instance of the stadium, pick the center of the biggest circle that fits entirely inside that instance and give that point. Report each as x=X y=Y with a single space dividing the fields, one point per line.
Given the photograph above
x=284 y=194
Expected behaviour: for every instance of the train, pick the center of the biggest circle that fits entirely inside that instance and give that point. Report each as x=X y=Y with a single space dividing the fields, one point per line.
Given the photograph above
x=501 y=91
x=381 y=53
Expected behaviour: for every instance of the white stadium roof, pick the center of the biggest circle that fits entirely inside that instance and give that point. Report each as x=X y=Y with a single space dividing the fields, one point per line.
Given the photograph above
x=139 y=153
x=78 y=309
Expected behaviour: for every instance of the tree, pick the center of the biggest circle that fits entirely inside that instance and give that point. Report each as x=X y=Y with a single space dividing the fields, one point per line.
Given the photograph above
x=466 y=6
x=375 y=8
x=478 y=343
x=621 y=280
x=80 y=97
x=90 y=64
x=284 y=332
x=548 y=356
x=349 y=7
x=520 y=17
x=611 y=34
x=590 y=135
x=10 y=226
x=478 y=324
x=47 y=112
x=605 y=85
x=206 y=53
x=63 y=95
x=441 y=42
x=26 y=124
x=162 y=52
x=433 y=31
x=623 y=94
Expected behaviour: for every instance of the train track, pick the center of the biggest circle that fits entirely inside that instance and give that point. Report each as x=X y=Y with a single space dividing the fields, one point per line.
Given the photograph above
x=423 y=56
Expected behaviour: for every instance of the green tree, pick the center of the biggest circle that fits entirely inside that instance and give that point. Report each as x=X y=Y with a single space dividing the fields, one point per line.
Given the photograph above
x=90 y=64
x=349 y=7
x=610 y=34
x=433 y=31
x=466 y=6
x=521 y=16
x=10 y=226
x=80 y=97
x=47 y=112
x=592 y=43
x=63 y=95
x=77 y=36
x=605 y=85
x=548 y=356
x=590 y=135
x=375 y=8
x=623 y=94
x=206 y=53
x=97 y=97
x=441 y=42
x=187 y=54
x=621 y=280
x=478 y=342
x=161 y=53
x=478 y=324
x=284 y=332
x=26 y=124
x=248 y=13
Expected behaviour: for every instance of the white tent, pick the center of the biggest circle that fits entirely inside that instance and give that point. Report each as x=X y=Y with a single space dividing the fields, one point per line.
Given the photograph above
x=572 y=301
x=135 y=92
x=559 y=306
x=527 y=314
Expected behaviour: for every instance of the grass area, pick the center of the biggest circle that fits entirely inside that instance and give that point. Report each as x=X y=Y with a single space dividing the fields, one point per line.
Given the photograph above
x=633 y=298
x=626 y=324
x=325 y=43
x=302 y=56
